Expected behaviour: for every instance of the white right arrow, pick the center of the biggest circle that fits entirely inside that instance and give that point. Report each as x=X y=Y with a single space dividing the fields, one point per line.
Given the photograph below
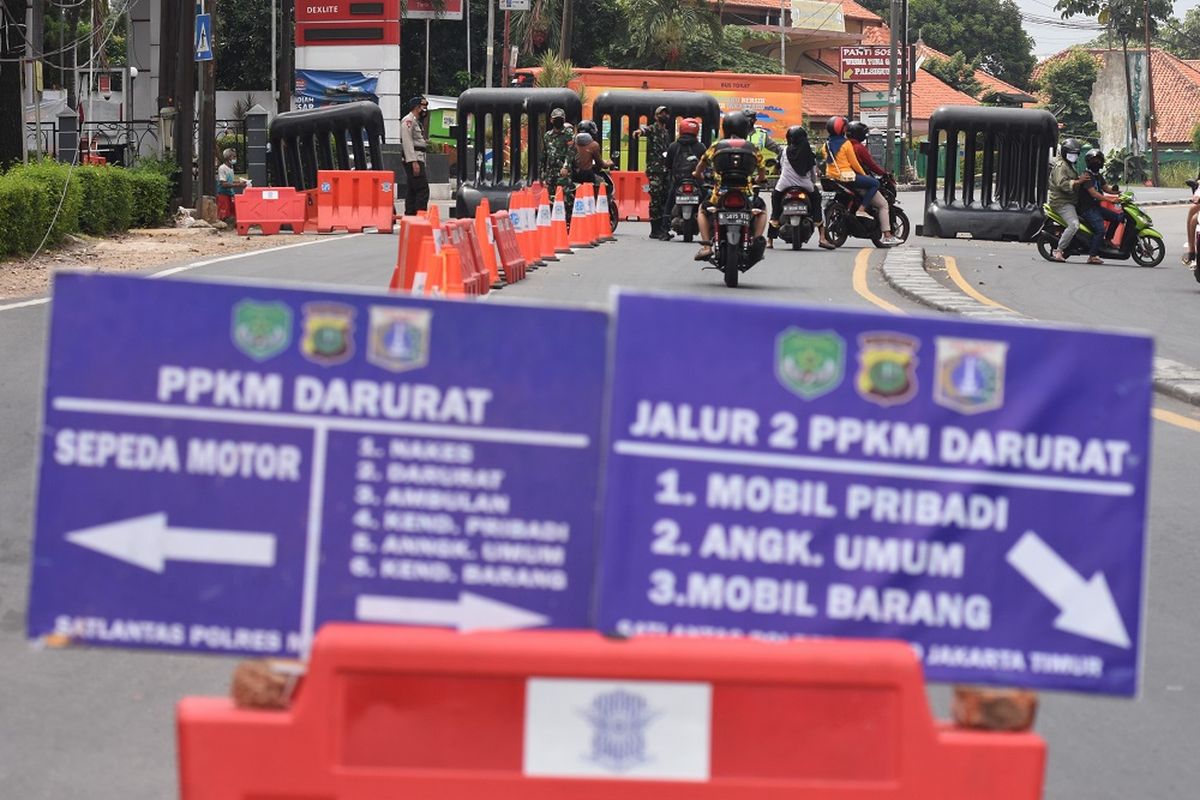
x=470 y=612
x=1087 y=607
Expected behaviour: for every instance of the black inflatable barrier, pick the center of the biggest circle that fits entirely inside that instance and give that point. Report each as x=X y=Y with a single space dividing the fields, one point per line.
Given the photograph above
x=303 y=142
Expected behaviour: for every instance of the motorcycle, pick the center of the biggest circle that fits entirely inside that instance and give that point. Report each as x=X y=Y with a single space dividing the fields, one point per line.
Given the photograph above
x=614 y=213
x=733 y=247
x=1195 y=186
x=1137 y=239
x=689 y=192
x=842 y=220
x=795 y=224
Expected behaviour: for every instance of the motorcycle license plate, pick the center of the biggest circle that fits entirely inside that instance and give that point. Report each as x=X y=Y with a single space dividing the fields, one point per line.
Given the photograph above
x=733 y=218
x=687 y=200
x=795 y=208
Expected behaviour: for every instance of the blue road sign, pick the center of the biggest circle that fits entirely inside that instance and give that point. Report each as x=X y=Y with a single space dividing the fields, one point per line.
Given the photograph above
x=978 y=490
x=226 y=467
x=204 y=38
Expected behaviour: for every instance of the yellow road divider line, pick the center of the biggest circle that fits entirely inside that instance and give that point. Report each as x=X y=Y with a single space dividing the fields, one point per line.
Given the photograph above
x=961 y=283
x=861 y=263
x=1178 y=420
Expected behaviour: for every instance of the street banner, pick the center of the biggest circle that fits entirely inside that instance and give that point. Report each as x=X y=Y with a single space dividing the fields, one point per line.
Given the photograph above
x=226 y=467
x=316 y=88
x=425 y=9
x=871 y=63
x=978 y=490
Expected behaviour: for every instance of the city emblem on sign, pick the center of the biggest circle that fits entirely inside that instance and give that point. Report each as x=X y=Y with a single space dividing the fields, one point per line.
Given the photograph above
x=399 y=338
x=887 y=364
x=970 y=374
x=619 y=720
x=809 y=363
x=328 y=333
x=261 y=330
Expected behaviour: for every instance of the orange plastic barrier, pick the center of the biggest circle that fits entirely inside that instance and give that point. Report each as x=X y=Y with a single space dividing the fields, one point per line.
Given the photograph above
x=415 y=232
x=487 y=242
x=633 y=194
x=460 y=234
x=511 y=260
x=558 y=223
x=270 y=209
x=353 y=200
x=568 y=715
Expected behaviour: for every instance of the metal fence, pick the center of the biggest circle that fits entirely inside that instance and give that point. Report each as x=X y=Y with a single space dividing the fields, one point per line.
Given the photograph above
x=122 y=142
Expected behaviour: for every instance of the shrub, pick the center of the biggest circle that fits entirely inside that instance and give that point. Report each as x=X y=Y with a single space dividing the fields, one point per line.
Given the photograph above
x=24 y=213
x=61 y=188
x=151 y=195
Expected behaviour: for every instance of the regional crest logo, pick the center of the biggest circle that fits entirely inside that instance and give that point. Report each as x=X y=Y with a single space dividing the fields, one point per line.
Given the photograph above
x=399 y=338
x=809 y=363
x=261 y=330
x=619 y=720
x=328 y=337
x=970 y=374
x=887 y=368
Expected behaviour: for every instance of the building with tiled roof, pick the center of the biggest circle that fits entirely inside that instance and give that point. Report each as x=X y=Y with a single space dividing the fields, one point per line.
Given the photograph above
x=809 y=27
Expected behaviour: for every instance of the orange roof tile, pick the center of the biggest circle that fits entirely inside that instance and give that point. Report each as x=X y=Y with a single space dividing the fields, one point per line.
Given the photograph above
x=930 y=93
x=850 y=9
x=882 y=35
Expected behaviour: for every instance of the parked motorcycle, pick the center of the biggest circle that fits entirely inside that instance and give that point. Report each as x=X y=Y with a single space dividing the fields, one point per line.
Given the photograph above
x=796 y=225
x=843 y=222
x=1135 y=238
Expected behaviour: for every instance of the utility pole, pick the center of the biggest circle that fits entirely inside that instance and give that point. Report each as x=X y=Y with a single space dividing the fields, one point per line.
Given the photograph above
x=185 y=99
x=568 y=22
x=208 y=115
x=1150 y=85
x=782 y=37
x=37 y=37
x=505 y=56
x=491 y=42
x=888 y=163
x=905 y=87
x=287 y=51
x=274 y=54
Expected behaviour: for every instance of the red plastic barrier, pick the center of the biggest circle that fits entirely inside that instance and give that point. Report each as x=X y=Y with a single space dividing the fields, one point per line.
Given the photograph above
x=512 y=262
x=567 y=715
x=353 y=200
x=461 y=235
x=633 y=194
x=270 y=209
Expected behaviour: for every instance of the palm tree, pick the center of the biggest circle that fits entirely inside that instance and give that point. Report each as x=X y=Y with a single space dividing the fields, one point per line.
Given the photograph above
x=659 y=30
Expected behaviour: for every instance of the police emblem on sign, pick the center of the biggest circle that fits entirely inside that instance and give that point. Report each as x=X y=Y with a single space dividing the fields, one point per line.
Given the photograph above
x=809 y=363
x=261 y=330
x=887 y=368
x=328 y=337
x=619 y=720
x=970 y=374
x=399 y=338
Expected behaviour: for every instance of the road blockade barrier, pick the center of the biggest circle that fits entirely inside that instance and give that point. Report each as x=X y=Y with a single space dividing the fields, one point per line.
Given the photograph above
x=460 y=234
x=566 y=715
x=429 y=276
x=632 y=193
x=414 y=231
x=270 y=209
x=487 y=243
x=512 y=262
x=354 y=200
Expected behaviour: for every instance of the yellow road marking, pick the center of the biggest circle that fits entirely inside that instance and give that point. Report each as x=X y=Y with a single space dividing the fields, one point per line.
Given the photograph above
x=861 y=262
x=961 y=283
x=1178 y=420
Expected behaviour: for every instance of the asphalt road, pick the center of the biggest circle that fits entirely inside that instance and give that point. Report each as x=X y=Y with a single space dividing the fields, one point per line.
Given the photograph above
x=98 y=724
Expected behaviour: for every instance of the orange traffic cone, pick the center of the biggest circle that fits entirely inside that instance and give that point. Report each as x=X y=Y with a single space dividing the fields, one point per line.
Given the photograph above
x=558 y=223
x=487 y=242
x=545 y=234
x=589 y=213
x=428 y=270
x=453 y=271
x=529 y=219
x=580 y=235
x=603 y=223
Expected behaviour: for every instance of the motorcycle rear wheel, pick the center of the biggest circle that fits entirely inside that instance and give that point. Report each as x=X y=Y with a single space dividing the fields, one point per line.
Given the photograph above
x=1148 y=251
x=1045 y=247
x=729 y=265
x=835 y=225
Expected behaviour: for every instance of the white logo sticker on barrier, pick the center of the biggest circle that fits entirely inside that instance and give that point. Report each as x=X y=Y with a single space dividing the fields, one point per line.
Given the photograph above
x=419 y=283
x=560 y=212
x=491 y=234
x=589 y=205
x=515 y=218
x=437 y=240
x=580 y=206
x=543 y=218
x=270 y=194
x=602 y=204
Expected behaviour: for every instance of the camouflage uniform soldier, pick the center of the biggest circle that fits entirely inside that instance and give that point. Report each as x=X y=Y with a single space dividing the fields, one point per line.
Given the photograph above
x=659 y=139
x=558 y=155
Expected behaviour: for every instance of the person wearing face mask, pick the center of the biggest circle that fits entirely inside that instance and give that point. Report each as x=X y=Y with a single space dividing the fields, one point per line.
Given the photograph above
x=227 y=184
x=1064 y=192
x=558 y=156
x=658 y=139
x=414 y=142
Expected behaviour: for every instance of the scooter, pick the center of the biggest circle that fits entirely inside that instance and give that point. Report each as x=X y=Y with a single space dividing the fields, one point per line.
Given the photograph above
x=1134 y=237
x=1195 y=187
x=734 y=249
x=688 y=195
x=614 y=213
x=843 y=222
x=795 y=224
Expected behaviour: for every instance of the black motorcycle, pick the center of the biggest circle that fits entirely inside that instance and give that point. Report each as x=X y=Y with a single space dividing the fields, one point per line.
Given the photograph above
x=614 y=213
x=733 y=247
x=796 y=225
x=689 y=194
x=842 y=220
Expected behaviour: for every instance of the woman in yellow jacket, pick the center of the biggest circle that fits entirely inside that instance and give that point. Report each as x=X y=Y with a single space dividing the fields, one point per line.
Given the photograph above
x=842 y=164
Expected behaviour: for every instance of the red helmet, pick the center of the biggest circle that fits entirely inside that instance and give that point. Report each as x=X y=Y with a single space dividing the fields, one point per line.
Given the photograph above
x=689 y=126
x=836 y=126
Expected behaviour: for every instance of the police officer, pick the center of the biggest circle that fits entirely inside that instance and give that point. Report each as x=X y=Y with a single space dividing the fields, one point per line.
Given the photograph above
x=761 y=139
x=658 y=140
x=414 y=143
x=558 y=156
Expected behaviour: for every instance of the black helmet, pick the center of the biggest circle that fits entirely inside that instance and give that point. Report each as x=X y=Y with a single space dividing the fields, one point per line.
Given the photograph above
x=583 y=139
x=589 y=127
x=836 y=126
x=1070 y=145
x=1094 y=159
x=857 y=130
x=797 y=136
x=736 y=125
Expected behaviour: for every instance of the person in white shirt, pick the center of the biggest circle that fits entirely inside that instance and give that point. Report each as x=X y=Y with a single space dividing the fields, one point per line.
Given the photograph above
x=798 y=169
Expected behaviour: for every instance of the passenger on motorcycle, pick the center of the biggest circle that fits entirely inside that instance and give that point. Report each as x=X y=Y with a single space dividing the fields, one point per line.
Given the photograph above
x=798 y=169
x=735 y=127
x=1064 y=191
x=842 y=164
x=1090 y=210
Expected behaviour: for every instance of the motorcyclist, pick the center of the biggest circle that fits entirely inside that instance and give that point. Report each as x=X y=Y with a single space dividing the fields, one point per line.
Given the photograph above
x=1064 y=191
x=1189 y=259
x=587 y=158
x=798 y=169
x=761 y=138
x=842 y=164
x=1090 y=211
x=678 y=167
x=735 y=127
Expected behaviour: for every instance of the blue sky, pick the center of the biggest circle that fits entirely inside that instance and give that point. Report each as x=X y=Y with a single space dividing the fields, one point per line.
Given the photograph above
x=1050 y=39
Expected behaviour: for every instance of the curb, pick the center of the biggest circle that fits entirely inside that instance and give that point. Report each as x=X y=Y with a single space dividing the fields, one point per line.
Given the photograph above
x=904 y=271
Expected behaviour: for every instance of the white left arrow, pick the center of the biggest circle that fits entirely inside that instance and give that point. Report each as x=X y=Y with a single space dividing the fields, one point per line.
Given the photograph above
x=148 y=542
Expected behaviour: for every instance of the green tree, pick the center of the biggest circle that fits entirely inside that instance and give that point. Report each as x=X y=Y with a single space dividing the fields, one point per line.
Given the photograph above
x=957 y=72
x=242 y=42
x=988 y=32
x=1181 y=37
x=1067 y=84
